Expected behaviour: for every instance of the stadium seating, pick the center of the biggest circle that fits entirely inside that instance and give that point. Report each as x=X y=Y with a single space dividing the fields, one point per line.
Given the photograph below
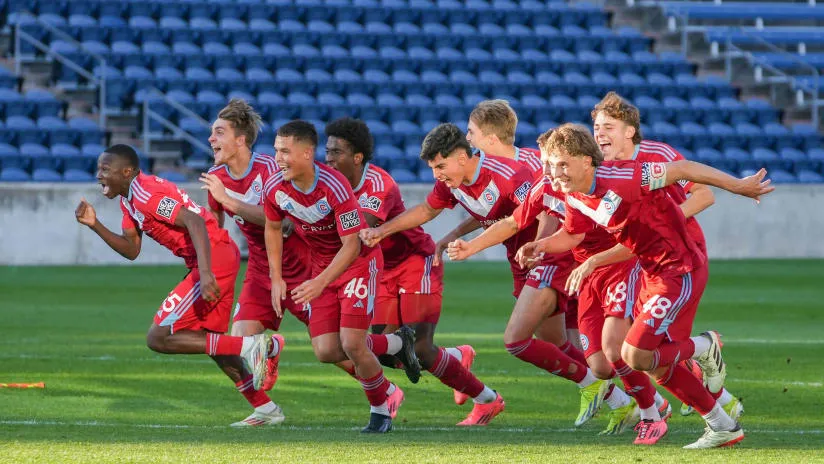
x=402 y=65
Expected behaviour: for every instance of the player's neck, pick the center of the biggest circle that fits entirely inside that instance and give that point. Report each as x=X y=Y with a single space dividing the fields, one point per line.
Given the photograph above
x=357 y=176
x=627 y=153
x=306 y=179
x=508 y=151
x=471 y=169
x=128 y=186
x=239 y=164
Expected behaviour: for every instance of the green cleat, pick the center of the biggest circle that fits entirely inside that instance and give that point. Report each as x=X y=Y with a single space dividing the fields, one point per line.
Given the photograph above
x=592 y=397
x=620 y=419
x=734 y=409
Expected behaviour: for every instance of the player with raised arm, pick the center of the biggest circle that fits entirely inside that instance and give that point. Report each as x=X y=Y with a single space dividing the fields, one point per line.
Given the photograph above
x=627 y=198
x=617 y=129
x=490 y=188
x=196 y=312
x=341 y=293
x=410 y=290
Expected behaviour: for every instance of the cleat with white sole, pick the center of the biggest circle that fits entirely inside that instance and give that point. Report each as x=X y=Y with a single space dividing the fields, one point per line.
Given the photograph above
x=720 y=439
x=259 y=419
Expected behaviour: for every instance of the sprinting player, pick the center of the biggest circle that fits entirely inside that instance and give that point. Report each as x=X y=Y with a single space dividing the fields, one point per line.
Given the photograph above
x=410 y=290
x=627 y=199
x=341 y=293
x=617 y=129
x=490 y=188
x=491 y=129
x=196 y=312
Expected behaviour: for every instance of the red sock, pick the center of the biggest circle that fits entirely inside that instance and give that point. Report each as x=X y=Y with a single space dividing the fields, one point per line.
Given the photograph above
x=548 y=357
x=377 y=343
x=671 y=352
x=222 y=345
x=679 y=381
x=573 y=352
x=375 y=388
x=349 y=369
x=452 y=374
x=254 y=397
x=636 y=384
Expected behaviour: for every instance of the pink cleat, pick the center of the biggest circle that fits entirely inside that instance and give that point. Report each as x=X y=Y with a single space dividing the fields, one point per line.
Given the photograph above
x=467 y=358
x=394 y=401
x=272 y=363
x=483 y=413
x=649 y=432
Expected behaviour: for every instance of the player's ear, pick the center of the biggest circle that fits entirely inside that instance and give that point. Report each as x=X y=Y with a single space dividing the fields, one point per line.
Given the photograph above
x=358 y=157
x=629 y=132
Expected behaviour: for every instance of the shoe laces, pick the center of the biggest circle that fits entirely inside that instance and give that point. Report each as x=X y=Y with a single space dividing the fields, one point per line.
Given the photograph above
x=643 y=427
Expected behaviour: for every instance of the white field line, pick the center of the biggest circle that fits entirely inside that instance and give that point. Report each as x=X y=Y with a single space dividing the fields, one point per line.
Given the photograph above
x=39 y=423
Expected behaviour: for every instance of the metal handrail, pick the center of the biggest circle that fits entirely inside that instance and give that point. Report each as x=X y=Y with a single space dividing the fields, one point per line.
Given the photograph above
x=149 y=115
x=99 y=81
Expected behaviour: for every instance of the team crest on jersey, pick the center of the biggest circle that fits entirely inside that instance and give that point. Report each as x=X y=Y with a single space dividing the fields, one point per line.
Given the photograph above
x=166 y=207
x=482 y=205
x=372 y=203
x=523 y=191
x=584 y=342
x=252 y=194
x=309 y=214
x=350 y=220
x=610 y=202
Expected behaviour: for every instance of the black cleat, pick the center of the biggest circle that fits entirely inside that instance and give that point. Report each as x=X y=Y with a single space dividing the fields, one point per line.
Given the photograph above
x=378 y=423
x=407 y=355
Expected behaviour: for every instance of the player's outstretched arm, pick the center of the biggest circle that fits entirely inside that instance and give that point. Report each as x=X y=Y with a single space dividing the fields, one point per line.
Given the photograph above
x=558 y=242
x=668 y=173
x=273 y=238
x=701 y=198
x=251 y=213
x=468 y=225
x=616 y=254
x=459 y=250
x=127 y=244
x=196 y=227
x=411 y=218
x=311 y=289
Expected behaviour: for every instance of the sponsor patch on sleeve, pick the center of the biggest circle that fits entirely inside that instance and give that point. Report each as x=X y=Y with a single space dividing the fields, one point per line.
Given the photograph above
x=372 y=203
x=349 y=220
x=166 y=207
x=522 y=191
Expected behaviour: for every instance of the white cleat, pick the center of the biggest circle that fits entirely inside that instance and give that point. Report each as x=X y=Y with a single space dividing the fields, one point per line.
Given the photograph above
x=712 y=364
x=254 y=357
x=259 y=419
x=713 y=439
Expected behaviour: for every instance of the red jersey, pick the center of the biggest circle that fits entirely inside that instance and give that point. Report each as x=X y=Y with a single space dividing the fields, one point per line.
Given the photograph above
x=543 y=198
x=531 y=158
x=378 y=194
x=627 y=200
x=322 y=215
x=658 y=152
x=153 y=205
x=247 y=188
x=500 y=185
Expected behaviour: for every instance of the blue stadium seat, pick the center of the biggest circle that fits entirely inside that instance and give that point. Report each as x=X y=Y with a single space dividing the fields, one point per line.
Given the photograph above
x=810 y=177
x=40 y=156
x=172 y=176
x=14 y=175
x=403 y=176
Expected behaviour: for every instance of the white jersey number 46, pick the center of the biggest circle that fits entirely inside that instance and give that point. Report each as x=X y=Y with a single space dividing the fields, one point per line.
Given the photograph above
x=357 y=288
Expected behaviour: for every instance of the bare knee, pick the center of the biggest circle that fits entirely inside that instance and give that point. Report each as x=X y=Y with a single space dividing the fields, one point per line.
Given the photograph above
x=157 y=342
x=327 y=354
x=612 y=353
x=355 y=348
x=637 y=359
x=602 y=370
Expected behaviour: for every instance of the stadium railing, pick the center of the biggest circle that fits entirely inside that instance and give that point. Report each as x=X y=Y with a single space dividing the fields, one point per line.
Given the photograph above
x=98 y=81
x=149 y=115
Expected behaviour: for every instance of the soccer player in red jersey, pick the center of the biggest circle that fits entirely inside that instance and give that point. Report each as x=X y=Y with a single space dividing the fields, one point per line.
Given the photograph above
x=235 y=188
x=410 y=290
x=341 y=293
x=196 y=312
x=617 y=129
x=627 y=198
x=490 y=188
x=491 y=129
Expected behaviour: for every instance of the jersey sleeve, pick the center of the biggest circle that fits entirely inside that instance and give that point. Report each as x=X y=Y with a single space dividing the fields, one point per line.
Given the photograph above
x=441 y=197
x=348 y=216
x=270 y=206
x=527 y=212
x=162 y=208
x=213 y=204
x=577 y=222
x=379 y=201
x=521 y=185
x=128 y=221
x=652 y=176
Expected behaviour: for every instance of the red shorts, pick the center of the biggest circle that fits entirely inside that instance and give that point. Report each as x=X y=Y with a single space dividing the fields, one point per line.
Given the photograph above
x=255 y=302
x=571 y=313
x=552 y=272
x=610 y=291
x=666 y=307
x=349 y=301
x=185 y=309
x=410 y=293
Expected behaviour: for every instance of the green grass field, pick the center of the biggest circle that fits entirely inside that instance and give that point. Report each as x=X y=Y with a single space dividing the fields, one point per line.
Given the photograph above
x=109 y=399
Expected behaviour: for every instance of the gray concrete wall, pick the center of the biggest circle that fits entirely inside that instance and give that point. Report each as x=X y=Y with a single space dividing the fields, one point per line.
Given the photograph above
x=37 y=225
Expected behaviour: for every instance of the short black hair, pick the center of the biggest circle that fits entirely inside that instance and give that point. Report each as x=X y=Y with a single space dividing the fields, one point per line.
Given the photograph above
x=301 y=130
x=443 y=140
x=125 y=152
x=354 y=131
